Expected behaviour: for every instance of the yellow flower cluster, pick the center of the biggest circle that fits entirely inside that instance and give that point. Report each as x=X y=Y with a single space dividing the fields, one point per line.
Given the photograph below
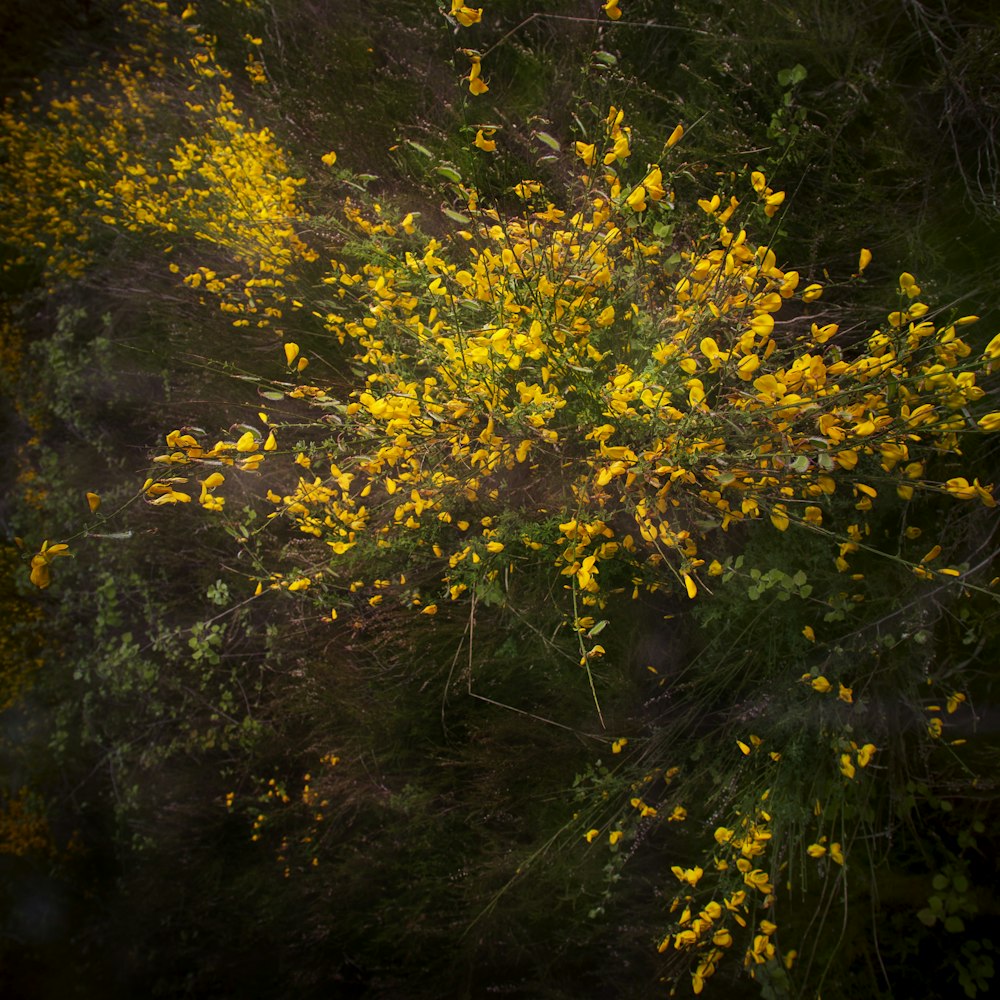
x=706 y=930
x=544 y=358
x=78 y=168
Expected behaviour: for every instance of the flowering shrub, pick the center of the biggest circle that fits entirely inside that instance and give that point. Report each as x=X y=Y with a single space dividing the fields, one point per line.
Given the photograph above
x=596 y=390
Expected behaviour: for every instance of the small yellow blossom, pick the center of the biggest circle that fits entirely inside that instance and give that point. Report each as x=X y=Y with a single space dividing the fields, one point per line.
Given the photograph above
x=485 y=142
x=477 y=85
x=40 y=562
x=466 y=16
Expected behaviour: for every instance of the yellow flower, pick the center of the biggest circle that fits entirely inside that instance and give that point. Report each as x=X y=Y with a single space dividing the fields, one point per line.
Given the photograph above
x=637 y=199
x=773 y=202
x=40 y=562
x=291 y=353
x=908 y=285
x=689 y=875
x=94 y=502
x=329 y=159
x=864 y=259
x=466 y=16
x=815 y=850
x=587 y=152
x=485 y=143
x=675 y=136
x=846 y=766
x=820 y=684
x=590 y=835
x=836 y=853
x=866 y=753
x=611 y=9
x=808 y=632
x=247 y=442
x=653 y=183
x=614 y=837
x=477 y=85
x=430 y=609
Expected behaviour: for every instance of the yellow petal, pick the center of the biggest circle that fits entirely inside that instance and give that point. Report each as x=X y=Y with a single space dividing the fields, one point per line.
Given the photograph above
x=94 y=502
x=247 y=442
x=587 y=152
x=291 y=353
x=675 y=136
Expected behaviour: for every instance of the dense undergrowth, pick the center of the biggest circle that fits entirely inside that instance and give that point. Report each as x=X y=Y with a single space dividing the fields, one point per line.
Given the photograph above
x=501 y=501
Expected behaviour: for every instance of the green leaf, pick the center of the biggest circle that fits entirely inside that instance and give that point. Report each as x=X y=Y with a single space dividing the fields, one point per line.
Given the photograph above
x=449 y=172
x=607 y=58
x=793 y=76
x=423 y=150
x=457 y=216
x=549 y=141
